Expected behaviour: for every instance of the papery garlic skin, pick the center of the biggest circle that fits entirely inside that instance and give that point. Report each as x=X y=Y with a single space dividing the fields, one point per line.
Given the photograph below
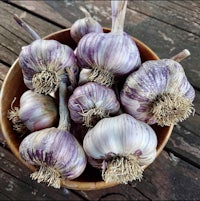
x=84 y=76
x=45 y=64
x=84 y=26
x=54 y=150
x=37 y=111
x=91 y=101
x=115 y=53
x=121 y=137
x=158 y=85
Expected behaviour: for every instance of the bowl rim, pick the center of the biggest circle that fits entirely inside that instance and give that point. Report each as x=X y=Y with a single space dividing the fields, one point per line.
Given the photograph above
x=71 y=184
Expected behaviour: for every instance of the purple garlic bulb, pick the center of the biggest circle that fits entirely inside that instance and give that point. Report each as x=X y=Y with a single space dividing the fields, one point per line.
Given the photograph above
x=158 y=92
x=109 y=54
x=56 y=152
x=84 y=26
x=92 y=102
x=45 y=63
x=38 y=111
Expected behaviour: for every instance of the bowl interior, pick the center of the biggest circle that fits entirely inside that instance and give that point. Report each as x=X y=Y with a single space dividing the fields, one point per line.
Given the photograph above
x=13 y=86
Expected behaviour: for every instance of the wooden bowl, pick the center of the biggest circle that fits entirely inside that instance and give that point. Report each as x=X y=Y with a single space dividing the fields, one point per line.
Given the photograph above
x=13 y=86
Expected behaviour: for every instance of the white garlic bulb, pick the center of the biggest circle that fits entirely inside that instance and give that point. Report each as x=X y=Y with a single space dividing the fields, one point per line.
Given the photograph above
x=158 y=92
x=123 y=145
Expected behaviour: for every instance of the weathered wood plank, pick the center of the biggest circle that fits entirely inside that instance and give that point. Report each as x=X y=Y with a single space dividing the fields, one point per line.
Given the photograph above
x=170 y=178
x=3 y=71
x=172 y=12
x=13 y=37
x=42 y=9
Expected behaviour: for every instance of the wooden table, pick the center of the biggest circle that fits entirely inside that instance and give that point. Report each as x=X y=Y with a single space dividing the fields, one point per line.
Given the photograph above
x=167 y=27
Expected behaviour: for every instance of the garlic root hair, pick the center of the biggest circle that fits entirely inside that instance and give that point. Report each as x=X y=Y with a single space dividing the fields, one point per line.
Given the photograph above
x=17 y=124
x=92 y=114
x=101 y=76
x=122 y=169
x=181 y=55
x=45 y=82
x=48 y=175
x=170 y=109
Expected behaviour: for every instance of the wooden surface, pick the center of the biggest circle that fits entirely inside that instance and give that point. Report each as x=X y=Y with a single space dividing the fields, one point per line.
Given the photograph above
x=167 y=27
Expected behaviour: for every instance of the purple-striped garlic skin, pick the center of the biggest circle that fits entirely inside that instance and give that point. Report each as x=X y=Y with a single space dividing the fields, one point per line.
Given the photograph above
x=56 y=149
x=92 y=100
x=122 y=145
x=154 y=79
x=38 y=111
x=84 y=26
x=46 y=56
x=117 y=53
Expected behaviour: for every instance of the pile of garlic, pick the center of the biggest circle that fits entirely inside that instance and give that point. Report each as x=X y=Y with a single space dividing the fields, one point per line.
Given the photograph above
x=107 y=91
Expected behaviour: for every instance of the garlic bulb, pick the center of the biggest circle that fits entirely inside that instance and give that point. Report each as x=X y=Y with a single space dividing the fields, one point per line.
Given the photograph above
x=109 y=54
x=55 y=151
x=122 y=145
x=83 y=26
x=45 y=63
x=158 y=92
x=91 y=102
x=37 y=111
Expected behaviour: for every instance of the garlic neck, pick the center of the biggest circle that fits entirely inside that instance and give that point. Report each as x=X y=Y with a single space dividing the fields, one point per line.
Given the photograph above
x=45 y=82
x=102 y=76
x=64 y=122
x=169 y=109
x=122 y=169
x=118 y=15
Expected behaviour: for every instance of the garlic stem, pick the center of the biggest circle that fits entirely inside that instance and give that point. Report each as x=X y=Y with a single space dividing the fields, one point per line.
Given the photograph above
x=122 y=169
x=87 y=14
x=181 y=55
x=25 y=26
x=64 y=122
x=118 y=15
